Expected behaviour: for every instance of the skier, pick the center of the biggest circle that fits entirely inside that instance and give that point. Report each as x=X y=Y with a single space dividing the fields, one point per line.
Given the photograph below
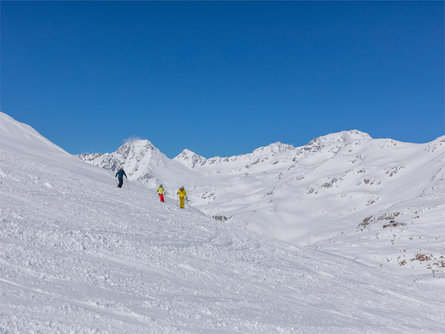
x=161 y=192
x=182 y=193
x=120 y=176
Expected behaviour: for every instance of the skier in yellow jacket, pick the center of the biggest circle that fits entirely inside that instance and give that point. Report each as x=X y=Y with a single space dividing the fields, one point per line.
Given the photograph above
x=182 y=194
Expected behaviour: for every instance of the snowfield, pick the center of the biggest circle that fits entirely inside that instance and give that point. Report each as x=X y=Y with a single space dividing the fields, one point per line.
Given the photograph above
x=377 y=201
x=79 y=255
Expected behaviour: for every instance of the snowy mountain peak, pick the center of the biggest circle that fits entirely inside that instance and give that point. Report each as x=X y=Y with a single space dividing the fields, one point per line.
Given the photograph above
x=343 y=137
x=136 y=147
x=338 y=139
x=190 y=158
x=138 y=158
x=274 y=148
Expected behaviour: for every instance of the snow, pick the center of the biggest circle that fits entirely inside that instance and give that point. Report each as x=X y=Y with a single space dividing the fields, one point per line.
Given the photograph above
x=80 y=255
x=190 y=158
x=319 y=195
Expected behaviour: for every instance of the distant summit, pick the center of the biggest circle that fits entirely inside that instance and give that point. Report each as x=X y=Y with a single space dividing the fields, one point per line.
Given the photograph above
x=190 y=158
x=338 y=140
x=138 y=158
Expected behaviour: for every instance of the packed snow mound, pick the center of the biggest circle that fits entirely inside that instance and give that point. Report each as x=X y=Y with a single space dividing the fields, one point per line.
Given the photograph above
x=80 y=255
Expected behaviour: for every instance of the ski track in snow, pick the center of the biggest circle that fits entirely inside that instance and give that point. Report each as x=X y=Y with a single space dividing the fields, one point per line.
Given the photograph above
x=82 y=256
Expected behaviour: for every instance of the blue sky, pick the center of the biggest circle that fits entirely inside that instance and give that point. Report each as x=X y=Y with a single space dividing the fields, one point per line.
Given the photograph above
x=222 y=78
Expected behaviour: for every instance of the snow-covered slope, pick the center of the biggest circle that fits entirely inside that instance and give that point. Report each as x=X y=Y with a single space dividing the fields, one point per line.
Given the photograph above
x=377 y=200
x=80 y=255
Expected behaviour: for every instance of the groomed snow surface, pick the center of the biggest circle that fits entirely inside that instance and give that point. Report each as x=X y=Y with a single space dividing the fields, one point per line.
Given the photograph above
x=79 y=255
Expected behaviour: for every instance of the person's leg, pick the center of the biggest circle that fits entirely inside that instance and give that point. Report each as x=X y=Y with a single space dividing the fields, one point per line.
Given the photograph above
x=181 y=202
x=161 y=196
x=121 y=181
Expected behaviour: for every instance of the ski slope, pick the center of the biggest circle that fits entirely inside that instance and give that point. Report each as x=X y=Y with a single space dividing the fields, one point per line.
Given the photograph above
x=377 y=201
x=80 y=255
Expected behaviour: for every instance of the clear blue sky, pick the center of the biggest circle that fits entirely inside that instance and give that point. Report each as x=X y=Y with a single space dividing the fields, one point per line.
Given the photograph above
x=222 y=78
